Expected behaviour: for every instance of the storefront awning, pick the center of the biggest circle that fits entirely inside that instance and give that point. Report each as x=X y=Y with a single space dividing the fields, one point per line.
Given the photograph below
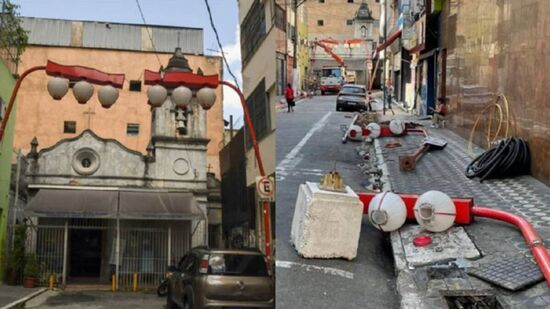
x=73 y=204
x=389 y=40
x=104 y=204
x=159 y=205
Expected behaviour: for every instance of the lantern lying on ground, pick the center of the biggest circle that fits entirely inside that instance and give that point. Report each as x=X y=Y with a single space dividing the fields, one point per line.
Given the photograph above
x=387 y=211
x=435 y=211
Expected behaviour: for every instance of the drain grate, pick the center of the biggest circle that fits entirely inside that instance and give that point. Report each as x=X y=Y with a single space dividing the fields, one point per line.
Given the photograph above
x=512 y=273
x=472 y=302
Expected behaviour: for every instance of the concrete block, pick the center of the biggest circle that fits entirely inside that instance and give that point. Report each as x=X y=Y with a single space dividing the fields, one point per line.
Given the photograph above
x=326 y=224
x=451 y=244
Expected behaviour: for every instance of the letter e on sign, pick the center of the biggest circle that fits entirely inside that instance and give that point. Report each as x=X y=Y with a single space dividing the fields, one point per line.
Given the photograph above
x=265 y=186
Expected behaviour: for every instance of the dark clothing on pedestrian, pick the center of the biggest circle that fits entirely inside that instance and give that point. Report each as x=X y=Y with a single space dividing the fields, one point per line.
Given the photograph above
x=289 y=95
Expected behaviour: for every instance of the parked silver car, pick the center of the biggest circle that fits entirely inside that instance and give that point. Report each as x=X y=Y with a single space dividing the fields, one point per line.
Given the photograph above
x=352 y=98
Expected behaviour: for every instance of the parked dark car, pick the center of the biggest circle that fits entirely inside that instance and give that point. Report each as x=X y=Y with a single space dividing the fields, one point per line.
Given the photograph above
x=352 y=98
x=221 y=278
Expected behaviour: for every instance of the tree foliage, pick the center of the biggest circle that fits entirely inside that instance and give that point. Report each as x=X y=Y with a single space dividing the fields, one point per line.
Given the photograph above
x=12 y=34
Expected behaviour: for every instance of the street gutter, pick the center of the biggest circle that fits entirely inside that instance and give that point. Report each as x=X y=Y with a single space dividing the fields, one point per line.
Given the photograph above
x=21 y=302
x=405 y=284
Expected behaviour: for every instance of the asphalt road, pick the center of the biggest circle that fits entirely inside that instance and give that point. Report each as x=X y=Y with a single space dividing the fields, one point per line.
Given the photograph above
x=308 y=145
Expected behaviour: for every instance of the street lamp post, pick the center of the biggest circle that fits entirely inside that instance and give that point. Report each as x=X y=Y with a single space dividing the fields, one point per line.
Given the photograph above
x=58 y=86
x=202 y=87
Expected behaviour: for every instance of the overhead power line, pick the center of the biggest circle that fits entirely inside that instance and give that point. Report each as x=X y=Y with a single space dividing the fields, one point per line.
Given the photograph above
x=148 y=32
x=220 y=44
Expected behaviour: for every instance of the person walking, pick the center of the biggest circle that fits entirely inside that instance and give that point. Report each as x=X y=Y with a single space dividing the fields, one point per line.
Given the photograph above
x=289 y=95
x=438 y=118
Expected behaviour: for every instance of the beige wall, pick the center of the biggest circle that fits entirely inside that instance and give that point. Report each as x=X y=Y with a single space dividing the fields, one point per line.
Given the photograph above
x=263 y=65
x=334 y=13
x=39 y=115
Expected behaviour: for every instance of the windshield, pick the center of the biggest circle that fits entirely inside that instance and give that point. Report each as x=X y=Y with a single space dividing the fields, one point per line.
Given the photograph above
x=353 y=90
x=335 y=72
x=237 y=265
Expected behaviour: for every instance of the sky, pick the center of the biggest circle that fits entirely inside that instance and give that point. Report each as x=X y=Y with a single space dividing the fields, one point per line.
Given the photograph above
x=185 y=13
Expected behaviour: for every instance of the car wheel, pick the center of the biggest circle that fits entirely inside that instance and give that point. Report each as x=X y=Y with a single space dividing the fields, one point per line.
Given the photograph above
x=322 y=92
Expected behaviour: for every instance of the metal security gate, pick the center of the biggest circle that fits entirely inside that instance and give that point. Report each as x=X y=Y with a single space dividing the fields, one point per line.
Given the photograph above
x=48 y=244
x=146 y=253
x=146 y=248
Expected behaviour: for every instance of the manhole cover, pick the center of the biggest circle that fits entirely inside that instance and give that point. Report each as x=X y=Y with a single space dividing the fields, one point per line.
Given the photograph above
x=509 y=273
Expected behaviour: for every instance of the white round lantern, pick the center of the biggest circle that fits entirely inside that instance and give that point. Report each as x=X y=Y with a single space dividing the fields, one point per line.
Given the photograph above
x=58 y=87
x=355 y=133
x=374 y=129
x=387 y=211
x=181 y=96
x=397 y=126
x=83 y=91
x=435 y=211
x=206 y=97
x=107 y=96
x=157 y=95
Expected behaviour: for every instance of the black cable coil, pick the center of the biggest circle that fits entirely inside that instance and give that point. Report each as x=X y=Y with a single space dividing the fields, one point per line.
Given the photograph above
x=511 y=157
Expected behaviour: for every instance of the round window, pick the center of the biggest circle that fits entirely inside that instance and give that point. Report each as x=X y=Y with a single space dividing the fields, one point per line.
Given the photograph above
x=86 y=161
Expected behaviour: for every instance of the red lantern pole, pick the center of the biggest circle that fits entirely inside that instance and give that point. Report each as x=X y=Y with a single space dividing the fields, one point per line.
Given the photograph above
x=14 y=95
x=73 y=72
x=265 y=205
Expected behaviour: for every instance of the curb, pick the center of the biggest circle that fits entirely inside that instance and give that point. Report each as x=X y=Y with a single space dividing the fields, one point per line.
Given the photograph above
x=404 y=282
x=18 y=303
x=280 y=107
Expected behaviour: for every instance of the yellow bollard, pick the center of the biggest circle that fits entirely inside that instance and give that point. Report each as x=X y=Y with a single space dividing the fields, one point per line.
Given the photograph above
x=135 y=282
x=113 y=283
x=50 y=282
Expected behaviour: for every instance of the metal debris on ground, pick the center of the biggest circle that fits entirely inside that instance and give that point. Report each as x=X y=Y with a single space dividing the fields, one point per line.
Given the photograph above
x=512 y=273
x=472 y=302
x=392 y=145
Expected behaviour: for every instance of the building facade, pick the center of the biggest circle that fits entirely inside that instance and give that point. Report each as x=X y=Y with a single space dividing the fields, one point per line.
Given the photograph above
x=101 y=211
x=114 y=48
x=349 y=29
x=6 y=151
x=12 y=44
x=263 y=43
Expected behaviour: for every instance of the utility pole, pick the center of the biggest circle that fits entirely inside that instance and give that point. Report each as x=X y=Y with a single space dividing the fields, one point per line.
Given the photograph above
x=295 y=43
x=385 y=56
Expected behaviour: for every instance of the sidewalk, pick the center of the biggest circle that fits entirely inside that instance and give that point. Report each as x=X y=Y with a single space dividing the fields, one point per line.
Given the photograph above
x=280 y=106
x=10 y=294
x=443 y=170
